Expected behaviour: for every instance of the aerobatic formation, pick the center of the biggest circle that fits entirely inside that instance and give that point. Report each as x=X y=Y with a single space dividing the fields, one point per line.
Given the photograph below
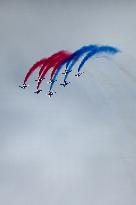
x=61 y=59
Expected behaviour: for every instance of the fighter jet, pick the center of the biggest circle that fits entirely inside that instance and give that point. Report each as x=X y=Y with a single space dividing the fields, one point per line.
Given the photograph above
x=38 y=91
x=79 y=74
x=65 y=83
x=39 y=79
x=66 y=72
x=23 y=86
x=50 y=93
x=51 y=81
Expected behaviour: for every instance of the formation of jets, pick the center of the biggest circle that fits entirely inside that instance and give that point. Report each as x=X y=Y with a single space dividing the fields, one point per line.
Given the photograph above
x=50 y=93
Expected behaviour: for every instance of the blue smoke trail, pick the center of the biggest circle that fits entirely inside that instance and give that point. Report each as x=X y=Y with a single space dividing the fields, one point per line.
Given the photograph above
x=94 y=49
x=101 y=49
x=80 y=52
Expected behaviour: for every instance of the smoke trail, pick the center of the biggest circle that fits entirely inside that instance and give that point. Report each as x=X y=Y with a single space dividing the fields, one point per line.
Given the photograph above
x=99 y=50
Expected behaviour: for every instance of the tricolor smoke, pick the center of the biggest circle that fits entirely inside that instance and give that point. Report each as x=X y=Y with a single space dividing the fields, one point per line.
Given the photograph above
x=65 y=59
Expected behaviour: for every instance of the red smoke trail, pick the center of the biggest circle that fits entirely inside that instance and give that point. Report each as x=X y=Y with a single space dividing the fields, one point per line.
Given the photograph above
x=42 y=64
x=53 y=63
x=50 y=59
x=33 y=68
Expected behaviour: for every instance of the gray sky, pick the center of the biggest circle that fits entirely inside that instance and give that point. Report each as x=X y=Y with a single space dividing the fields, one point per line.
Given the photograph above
x=78 y=147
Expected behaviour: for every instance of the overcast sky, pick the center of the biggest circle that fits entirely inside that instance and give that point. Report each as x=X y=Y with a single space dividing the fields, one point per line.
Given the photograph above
x=80 y=146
